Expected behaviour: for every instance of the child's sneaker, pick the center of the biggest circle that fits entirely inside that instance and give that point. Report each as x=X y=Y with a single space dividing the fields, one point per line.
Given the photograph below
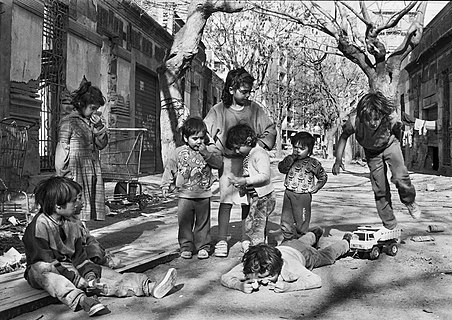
x=92 y=306
x=221 y=249
x=203 y=254
x=318 y=232
x=186 y=254
x=414 y=210
x=245 y=245
x=165 y=286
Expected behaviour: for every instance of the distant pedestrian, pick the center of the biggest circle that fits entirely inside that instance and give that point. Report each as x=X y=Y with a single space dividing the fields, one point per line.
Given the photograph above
x=375 y=124
x=189 y=169
x=255 y=182
x=286 y=267
x=81 y=135
x=235 y=108
x=304 y=177
x=58 y=263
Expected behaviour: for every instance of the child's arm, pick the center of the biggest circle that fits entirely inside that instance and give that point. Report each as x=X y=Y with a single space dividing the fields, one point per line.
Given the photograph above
x=306 y=280
x=321 y=176
x=212 y=155
x=261 y=163
x=235 y=279
x=285 y=164
x=169 y=174
x=338 y=164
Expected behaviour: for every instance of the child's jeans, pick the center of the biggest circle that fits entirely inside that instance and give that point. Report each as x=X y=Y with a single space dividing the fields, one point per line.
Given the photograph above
x=378 y=165
x=194 y=224
x=256 y=221
x=43 y=275
x=317 y=258
x=296 y=214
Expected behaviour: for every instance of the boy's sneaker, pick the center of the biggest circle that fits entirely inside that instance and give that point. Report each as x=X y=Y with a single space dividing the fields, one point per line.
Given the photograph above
x=245 y=245
x=203 y=254
x=414 y=210
x=221 y=249
x=165 y=286
x=186 y=254
x=93 y=306
x=348 y=237
x=318 y=232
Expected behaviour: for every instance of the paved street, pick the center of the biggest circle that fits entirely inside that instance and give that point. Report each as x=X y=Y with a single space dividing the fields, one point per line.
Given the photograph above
x=415 y=284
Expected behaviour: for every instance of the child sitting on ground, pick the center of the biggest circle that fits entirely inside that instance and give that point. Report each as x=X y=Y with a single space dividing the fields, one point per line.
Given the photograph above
x=375 y=124
x=301 y=173
x=57 y=261
x=191 y=168
x=256 y=180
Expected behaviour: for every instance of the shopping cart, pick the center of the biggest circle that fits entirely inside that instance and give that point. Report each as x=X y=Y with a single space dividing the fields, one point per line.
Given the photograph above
x=14 y=201
x=120 y=162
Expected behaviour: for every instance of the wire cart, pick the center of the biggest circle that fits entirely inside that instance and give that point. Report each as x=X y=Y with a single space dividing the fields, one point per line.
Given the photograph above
x=14 y=202
x=120 y=162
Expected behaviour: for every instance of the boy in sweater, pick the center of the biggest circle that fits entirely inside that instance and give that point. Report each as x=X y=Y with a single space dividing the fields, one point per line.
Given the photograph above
x=190 y=169
x=58 y=263
x=255 y=181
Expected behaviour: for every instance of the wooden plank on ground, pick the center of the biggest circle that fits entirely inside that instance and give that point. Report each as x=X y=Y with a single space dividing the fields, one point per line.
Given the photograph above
x=17 y=297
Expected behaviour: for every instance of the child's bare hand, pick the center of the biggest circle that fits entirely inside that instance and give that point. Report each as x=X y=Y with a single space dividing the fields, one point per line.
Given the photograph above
x=337 y=166
x=82 y=284
x=247 y=286
x=314 y=189
x=96 y=120
x=237 y=181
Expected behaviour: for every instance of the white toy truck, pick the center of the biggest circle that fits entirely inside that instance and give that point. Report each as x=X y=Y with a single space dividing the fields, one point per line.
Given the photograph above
x=373 y=240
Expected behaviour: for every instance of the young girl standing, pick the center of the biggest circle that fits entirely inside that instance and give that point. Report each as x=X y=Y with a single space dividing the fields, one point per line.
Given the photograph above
x=81 y=136
x=190 y=169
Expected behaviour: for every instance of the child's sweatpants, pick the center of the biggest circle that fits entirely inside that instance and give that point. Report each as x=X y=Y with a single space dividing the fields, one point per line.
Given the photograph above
x=194 y=224
x=43 y=275
x=296 y=214
x=256 y=221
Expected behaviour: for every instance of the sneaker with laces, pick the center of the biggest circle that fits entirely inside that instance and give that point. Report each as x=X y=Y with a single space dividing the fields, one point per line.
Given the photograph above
x=93 y=306
x=245 y=245
x=203 y=254
x=163 y=287
x=221 y=249
x=186 y=254
x=348 y=237
x=414 y=210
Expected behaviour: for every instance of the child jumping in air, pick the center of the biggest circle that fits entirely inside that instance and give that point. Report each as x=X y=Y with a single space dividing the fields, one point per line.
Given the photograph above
x=256 y=180
x=58 y=263
x=190 y=169
x=374 y=124
x=304 y=177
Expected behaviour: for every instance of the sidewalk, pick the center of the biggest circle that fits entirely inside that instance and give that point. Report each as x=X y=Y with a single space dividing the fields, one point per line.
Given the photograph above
x=344 y=203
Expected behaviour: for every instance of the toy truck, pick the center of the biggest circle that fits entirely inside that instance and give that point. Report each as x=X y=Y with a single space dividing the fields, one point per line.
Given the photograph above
x=374 y=240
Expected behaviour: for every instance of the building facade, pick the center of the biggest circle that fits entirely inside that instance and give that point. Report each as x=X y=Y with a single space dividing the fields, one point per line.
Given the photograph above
x=425 y=93
x=49 y=46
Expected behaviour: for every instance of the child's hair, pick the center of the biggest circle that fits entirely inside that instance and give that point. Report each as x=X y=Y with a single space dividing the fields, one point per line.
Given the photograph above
x=241 y=135
x=87 y=94
x=192 y=126
x=234 y=80
x=374 y=102
x=262 y=258
x=303 y=139
x=55 y=191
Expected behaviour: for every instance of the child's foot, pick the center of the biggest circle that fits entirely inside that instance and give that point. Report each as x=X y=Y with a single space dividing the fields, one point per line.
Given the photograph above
x=203 y=254
x=318 y=232
x=163 y=287
x=414 y=210
x=186 y=254
x=348 y=237
x=221 y=249
x=93 y=306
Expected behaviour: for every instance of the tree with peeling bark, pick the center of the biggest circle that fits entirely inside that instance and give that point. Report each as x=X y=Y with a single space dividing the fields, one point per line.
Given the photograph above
x=367 y=50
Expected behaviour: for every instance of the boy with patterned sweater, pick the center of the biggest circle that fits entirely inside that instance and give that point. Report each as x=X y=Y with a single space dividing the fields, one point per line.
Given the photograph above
x=58 y=263
x=301 y=173
x=190 y=169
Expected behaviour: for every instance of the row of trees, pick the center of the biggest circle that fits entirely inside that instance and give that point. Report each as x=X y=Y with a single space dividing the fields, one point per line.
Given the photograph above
x=324 y=58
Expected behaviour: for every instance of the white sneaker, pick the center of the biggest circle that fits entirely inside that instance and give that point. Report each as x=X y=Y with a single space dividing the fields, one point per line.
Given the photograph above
x=163 y=287
x=221 y=249
x=414 y=210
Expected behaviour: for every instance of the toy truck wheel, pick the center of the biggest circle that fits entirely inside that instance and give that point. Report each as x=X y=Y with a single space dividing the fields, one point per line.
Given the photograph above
x=375 y=253
x=392 y=249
